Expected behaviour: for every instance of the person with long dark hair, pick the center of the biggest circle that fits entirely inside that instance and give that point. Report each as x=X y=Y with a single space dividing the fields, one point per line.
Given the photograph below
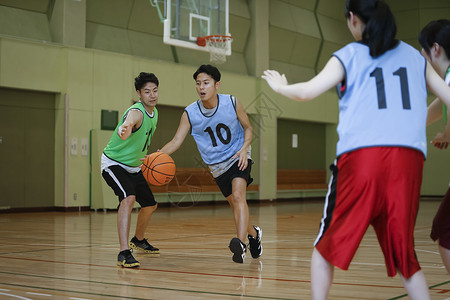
x=376 y=178
x=435 y=41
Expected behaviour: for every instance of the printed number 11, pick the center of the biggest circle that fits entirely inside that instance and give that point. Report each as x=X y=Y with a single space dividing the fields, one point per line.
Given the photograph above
x=381 y=93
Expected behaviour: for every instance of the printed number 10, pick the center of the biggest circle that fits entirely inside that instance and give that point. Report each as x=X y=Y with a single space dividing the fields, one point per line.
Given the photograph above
x=381 y=93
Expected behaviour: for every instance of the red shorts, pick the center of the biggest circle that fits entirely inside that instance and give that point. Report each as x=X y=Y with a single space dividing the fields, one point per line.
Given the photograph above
x=441 y=223
x=378 y=186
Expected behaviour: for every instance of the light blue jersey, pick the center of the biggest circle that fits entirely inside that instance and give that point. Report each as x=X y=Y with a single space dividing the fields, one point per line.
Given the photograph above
x=220 y=135
x=383 y=101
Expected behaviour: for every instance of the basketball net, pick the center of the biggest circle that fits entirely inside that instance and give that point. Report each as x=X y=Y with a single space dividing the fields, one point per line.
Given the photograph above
x=217 y=46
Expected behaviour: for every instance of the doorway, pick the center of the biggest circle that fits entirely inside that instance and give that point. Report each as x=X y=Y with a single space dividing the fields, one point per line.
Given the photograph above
x=27 y=149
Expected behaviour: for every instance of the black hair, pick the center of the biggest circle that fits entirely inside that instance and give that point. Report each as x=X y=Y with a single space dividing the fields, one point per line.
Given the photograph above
x=143 y=78
x=210 y=70
x=379 y=33
x=436 y=32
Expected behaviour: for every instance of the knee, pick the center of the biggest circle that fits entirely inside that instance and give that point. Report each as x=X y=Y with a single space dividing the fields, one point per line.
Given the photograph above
x=238 y=198
x=128 y=201
x=153 y=208
x=150 y=209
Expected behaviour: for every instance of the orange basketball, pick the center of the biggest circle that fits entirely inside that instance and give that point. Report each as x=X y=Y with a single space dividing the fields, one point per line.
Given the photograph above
x=158 y=168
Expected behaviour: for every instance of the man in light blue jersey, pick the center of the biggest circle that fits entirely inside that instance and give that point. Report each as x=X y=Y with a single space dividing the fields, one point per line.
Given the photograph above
x=222 y=131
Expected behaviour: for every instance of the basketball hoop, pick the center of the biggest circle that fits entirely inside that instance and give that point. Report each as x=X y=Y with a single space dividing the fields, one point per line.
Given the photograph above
x=217 y=46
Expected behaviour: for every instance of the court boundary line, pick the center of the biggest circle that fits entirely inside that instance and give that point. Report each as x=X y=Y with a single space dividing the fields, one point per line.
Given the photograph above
x=132 y=286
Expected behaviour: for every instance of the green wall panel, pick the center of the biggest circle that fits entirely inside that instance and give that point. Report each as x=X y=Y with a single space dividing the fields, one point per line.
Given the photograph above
x=310 y=151
x=24 y=23
x=108 y=38
x=31 y=65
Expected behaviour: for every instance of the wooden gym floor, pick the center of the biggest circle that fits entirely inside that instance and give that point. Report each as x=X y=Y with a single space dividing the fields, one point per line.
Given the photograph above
x=57 y=255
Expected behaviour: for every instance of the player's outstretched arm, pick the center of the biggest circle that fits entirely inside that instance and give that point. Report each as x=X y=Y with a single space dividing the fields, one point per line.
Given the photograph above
x=442 y=91
x=248 y=135
x=434 y=111
x=179 y=136
x=330 y=76
x=132 y=120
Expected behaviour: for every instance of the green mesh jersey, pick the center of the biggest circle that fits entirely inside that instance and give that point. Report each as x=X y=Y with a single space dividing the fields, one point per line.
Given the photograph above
x=130 y=151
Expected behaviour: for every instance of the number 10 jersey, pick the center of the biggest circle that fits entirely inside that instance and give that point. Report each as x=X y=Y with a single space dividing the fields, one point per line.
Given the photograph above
x=218 y=135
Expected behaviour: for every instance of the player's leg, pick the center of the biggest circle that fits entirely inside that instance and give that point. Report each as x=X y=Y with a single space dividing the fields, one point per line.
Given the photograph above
x=233 y=185
x=143 y=219
x=238 y=203
x=138 y=242
x=440 y=231
x=445 y=254
x=416 y=286
x=250 y=229
x=146 y=200
x=396 y=236
x=122 y=183
x=322 y=273
x=240 y=215
x=125 y=258
x=350 y=203
x=124 y=219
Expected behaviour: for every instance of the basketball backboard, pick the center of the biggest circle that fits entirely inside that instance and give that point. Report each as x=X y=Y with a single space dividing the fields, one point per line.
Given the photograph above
x=185 y=20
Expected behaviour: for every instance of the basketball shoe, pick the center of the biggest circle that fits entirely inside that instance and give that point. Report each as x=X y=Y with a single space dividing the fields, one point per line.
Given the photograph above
x=126 y=259
x=142 y=245
x=256 y=248
x=238 y=248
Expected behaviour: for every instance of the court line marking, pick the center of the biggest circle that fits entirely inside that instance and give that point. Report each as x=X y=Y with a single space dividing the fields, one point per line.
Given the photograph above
x=137 y=298
x=203 y=274
x=431 y=287
x=38 y=294
x=172 y=289
x=15 y=296
x=199 y=254
x=197 y=273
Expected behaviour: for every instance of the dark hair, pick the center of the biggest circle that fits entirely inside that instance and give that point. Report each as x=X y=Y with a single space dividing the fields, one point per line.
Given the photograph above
x=210 y=70
x=436 y=32
x=380 y=30
x=143 y=78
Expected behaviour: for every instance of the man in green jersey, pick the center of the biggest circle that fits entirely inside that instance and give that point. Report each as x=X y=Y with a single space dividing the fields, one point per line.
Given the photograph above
x=121 y=160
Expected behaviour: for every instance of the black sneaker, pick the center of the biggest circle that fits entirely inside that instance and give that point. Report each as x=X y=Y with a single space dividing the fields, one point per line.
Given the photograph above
x=238 y=248
x=126 y=260
x=142 y=245
x=256 y=248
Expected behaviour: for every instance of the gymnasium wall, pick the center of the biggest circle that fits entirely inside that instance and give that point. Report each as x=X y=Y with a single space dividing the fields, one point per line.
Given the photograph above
x=309 y=150
x=92 y=68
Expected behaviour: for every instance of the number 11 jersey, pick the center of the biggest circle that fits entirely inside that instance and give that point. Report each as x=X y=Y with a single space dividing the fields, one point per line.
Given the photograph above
x=383 y=101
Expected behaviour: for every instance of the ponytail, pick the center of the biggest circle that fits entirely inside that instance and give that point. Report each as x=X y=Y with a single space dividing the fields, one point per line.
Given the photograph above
x=379 y=33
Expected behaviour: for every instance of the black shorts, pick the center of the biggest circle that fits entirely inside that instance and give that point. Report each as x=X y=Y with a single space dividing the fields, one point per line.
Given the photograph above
x=224 y=180
x=126 y=184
